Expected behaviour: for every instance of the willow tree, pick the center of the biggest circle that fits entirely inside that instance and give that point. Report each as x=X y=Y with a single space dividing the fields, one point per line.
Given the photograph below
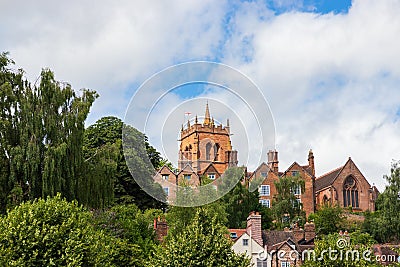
x=41 y=130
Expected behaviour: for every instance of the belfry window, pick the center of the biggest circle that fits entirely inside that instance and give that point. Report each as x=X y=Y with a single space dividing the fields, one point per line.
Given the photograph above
x=208 y=151
x=350 y=193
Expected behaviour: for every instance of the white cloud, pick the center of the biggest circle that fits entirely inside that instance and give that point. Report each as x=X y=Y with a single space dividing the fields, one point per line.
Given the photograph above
x=331 y=80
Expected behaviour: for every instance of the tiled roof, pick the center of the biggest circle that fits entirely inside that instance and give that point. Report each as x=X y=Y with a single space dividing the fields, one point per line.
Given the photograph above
x=238 y=232
x=327 y=179
x=273 y=238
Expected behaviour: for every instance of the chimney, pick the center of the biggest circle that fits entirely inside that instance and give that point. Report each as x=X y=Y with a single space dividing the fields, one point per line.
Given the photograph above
x=309 y=231
x=253 y=228
x=311 y=162
x=298 y=233
x=161 y=228
x=273 y=160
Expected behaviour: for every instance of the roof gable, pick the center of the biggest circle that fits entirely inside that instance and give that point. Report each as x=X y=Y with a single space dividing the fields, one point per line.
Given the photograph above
x=211 y=169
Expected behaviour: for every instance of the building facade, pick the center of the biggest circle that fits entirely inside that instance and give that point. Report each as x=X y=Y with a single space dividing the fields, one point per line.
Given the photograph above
x=206 y=151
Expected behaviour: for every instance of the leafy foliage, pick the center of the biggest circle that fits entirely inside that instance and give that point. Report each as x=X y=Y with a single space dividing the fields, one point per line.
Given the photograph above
x=328 y=219
x=285 y=207
x=204 y=242
x=130 y=224
x=336 y=250
x=41 y=136
x=104 y=155
x=384 y=224
x=55 y=232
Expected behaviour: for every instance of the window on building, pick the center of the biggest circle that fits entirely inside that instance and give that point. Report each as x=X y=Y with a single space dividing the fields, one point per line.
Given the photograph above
x=263 y=174
x=261 y=263
x=187 y=176
x=166 y=190
x=245 y=242
x=165 y=176
x=208 y=151
x=297 y=190
x=264 y=190
x=350 y=193
x=211 y=176
x=295 y=173
x=265 y=202
x=285 y=264
x=298 y=201
x=233 y=235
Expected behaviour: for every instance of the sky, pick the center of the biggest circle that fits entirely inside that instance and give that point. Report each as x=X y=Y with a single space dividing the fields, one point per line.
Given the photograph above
x=329 y=70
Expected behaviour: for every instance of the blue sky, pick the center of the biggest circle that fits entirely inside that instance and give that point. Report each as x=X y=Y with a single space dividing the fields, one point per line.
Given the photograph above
x=330 y=70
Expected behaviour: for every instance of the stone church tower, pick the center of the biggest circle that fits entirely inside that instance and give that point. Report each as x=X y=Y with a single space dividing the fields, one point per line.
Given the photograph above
x=205 y=145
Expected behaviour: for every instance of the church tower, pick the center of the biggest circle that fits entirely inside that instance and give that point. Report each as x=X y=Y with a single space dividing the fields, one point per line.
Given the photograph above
x=202 y=144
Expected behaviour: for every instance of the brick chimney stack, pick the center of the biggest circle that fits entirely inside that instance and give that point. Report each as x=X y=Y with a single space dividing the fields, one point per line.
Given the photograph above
x=253 y=228
x=273 y=160
x=309 y=231
x=311 y=162
x=161 y=228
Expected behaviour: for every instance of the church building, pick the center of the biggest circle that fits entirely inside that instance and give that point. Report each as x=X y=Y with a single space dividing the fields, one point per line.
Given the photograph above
x=206 y=151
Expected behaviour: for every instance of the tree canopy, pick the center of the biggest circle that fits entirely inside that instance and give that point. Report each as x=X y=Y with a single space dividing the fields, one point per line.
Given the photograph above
x=204 y=242
x=41 y=136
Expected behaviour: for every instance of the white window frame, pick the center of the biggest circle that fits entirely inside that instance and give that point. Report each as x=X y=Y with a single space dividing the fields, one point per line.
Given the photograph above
x=264 y=174
x=285 y=264
x=265 y=202
x=245 y=242
x=187 y=176
x=165 y=176
x=297 y=190
x=211 y=176
x=267 y=190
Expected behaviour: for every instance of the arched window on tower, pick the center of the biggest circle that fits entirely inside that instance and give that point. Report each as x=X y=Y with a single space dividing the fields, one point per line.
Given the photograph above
x=350 y=193
x=208 y=151
x=216 y=152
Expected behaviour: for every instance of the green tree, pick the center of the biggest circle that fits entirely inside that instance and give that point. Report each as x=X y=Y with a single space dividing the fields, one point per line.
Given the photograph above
x=336 y=250
x=41 y=128
x=384 y=224
x=239 y=203
x=103 y=152
x=286 y=208
x=129 y=224
x=204 y=242
x=55 y=232
x=328 y=219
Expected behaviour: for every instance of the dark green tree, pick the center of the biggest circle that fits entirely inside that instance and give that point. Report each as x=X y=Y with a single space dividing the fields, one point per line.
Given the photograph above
x=204 y=242
x=240 y=202
x=103 y=148
x=41 y=128
x=286 y=208
x=328 y=219
x=384 y=224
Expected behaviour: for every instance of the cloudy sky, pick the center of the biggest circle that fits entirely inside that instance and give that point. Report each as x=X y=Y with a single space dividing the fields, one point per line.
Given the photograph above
x=330 y=70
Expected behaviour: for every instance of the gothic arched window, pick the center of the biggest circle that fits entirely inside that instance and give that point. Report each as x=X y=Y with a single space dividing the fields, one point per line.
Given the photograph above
x=216 y=152
x=208 y=151
x=350 y=193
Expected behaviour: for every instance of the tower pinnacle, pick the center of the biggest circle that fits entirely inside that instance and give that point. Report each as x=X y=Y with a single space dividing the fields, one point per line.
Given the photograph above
x=207 y=120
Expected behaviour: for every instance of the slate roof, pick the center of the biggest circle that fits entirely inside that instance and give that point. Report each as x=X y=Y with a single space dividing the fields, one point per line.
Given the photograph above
x=327 y=179
x=274 y=238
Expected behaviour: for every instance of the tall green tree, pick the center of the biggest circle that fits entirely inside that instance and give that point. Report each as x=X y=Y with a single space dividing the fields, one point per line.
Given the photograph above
x=285 y=206
x=41 y=128
x=384 y=224
x=204 y=242
x=103 y=152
